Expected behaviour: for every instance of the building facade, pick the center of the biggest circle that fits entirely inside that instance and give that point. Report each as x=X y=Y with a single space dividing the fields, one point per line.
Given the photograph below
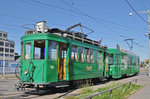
x=7 y=47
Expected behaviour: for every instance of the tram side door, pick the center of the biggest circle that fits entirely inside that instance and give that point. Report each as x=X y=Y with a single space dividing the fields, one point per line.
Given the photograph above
x=106 y=66
x=62 y=61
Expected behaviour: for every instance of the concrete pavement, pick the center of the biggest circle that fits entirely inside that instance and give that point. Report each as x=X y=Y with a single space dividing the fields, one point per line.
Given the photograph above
x=144 y=93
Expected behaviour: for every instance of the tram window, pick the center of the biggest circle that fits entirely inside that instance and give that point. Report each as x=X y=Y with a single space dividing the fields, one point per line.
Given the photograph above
x=27 y=51
x=123 y=60
x=52 y=50
x=111 y=59
x=117 y=59
x=130 y=61
x=134 y=61
x=80 y=54
x=21 y=51
x=96 y=56
x=100 y=57
x=74 y=53
x=91 y=56
x=86 y=54
x=39 y=49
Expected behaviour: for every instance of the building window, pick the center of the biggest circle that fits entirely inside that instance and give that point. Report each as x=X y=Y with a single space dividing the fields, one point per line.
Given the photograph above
x=52 y=50
x=7 y=44
x=91 y=56
x=11 y=45
x=11 y=55
x=80 y=54
x=1 y=49
x=2 y=43
x=1 y=54
x=6 y=50
x=11 y=51
x=5 y=35
x=0 y=34
x=27 y=51
x=7 y=55
x=39 y=49
x=86 y=55
x=74 y=53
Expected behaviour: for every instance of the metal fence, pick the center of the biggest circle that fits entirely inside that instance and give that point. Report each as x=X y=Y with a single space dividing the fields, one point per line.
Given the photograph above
x=110 y=90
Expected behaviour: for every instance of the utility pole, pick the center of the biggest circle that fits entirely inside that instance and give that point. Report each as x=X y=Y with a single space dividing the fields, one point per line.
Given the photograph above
x=149 y=38
x=4 y=60
x=147 y=34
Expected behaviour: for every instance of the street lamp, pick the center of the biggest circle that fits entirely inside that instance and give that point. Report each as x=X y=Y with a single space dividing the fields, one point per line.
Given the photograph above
x=147 y=34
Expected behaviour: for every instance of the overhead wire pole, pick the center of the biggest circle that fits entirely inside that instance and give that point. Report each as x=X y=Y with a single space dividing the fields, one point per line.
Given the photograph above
x=4 y=60
x=149 y=38
x=130 y=45
x=147 y=34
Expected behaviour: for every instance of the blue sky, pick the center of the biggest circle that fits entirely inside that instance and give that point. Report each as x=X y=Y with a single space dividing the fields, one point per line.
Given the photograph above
x=111 y=19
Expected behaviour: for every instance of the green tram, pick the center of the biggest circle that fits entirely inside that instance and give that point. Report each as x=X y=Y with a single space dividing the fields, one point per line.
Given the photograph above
x=123 y=63
x=51 y=57
x=57 y=57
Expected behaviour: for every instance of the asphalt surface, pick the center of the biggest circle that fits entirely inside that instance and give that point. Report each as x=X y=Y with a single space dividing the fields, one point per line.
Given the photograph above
x=7 y=89
x=144 y=93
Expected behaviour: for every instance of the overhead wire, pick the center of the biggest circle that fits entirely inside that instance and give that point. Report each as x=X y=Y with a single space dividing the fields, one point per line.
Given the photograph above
x=89 y=16
x=49 y=5
x=18 y=17
x=79 y=13
x=58 y=8
x=97 y=18
x=136 y=12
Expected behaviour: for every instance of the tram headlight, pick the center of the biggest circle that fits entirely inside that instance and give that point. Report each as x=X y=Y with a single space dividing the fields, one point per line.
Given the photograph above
x=25 y=72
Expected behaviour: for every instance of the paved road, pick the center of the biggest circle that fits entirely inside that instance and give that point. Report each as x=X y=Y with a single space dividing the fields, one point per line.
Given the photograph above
x=7 y=89
x=144 y=93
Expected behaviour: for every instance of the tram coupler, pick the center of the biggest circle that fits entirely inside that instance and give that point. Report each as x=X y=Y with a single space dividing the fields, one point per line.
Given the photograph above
x=20 y=87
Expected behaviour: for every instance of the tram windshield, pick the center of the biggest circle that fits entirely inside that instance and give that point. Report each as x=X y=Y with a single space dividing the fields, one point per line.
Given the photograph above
x=39 y=49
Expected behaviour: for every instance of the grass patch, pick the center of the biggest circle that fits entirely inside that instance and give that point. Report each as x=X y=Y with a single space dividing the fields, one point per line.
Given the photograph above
x=144 y=69
x=86 y=90
x=116 y=93
x=7 y=77
x=10 y=77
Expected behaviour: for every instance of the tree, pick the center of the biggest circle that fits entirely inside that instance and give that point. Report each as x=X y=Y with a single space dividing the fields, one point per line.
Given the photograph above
x=147 y=61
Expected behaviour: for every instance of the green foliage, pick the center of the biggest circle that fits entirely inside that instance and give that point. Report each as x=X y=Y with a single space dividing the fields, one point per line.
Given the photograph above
x=86 y=90
x=116 y=93
x=147 y=61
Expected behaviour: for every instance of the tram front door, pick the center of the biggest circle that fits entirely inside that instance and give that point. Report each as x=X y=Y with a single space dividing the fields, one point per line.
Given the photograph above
x=62 y=61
